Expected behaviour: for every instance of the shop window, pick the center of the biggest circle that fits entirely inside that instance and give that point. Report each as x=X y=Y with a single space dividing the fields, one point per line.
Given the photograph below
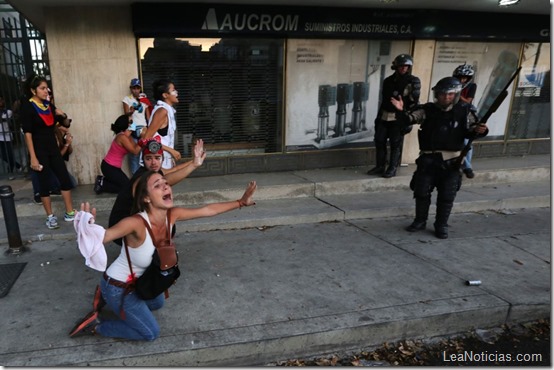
x=333 y=91
x=493 y=63
x=530 y=117
x=229 y=90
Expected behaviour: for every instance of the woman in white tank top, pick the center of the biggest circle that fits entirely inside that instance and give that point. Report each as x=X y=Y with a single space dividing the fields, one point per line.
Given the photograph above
x=153 y=199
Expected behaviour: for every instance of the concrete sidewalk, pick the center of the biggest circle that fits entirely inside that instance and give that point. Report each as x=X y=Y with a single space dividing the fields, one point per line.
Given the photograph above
x=275 y=281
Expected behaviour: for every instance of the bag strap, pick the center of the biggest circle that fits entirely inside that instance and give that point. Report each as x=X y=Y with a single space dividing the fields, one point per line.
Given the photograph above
x=149 y=230
x=168 y=227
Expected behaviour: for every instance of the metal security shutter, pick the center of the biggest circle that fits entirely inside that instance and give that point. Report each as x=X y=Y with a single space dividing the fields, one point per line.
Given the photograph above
x=229 y=96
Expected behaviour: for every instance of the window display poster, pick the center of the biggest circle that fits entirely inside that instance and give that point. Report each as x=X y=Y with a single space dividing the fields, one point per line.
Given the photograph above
x=494 y=64
x=332 y=90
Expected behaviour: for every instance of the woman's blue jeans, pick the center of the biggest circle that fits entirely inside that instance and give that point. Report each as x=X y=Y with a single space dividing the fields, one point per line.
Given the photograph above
x=139 y=322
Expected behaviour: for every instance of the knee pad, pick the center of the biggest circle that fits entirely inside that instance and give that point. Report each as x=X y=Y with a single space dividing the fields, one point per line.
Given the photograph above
x=449 y=187
x=421 y=185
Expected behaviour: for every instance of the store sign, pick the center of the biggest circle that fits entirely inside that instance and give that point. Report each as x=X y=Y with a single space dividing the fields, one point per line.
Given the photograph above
x=250 y=22
x=210 y=20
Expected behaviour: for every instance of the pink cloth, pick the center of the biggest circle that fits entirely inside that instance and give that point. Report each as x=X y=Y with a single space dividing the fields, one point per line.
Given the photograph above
x=89 y=239
x=116 y=153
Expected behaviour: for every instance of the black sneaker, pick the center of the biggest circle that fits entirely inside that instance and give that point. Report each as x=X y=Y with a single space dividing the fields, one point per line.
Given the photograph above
x=98 y=184
x=36 y=198
x=469 y=173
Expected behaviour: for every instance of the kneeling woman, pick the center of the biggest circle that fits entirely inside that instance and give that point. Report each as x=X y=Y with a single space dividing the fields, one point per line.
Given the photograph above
x=153 y=199
x=114 y=179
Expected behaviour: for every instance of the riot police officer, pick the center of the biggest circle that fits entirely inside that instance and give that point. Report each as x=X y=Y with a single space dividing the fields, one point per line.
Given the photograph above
x=400 y=83
x=465 y=74
x=444 y=124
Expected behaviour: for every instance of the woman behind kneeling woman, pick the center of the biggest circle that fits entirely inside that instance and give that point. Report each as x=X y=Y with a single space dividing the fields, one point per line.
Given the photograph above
x=114 y=178
x=153 y=199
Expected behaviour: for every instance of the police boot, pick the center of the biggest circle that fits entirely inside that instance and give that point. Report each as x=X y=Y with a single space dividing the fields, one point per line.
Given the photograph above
x=441 y=220
x=380 y=159
x=422 y=211
x=395 y=154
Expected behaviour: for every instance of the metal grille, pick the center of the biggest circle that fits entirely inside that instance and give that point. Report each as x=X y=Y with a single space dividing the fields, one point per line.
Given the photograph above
x=229 y=96
x=23 y=52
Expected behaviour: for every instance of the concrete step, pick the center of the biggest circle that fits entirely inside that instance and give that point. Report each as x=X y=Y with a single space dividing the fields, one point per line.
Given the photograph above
x=296 y=184
x=326 y=208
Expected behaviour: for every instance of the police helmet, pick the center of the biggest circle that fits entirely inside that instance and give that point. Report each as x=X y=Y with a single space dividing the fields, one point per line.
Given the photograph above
x=464 y=70
x=447 y=85
x=402 y=60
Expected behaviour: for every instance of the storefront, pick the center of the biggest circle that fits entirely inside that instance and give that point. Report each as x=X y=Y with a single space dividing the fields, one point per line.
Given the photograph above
x=285 y=88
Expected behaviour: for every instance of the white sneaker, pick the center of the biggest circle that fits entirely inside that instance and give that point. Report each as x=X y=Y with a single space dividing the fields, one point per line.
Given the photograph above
x=52 y=222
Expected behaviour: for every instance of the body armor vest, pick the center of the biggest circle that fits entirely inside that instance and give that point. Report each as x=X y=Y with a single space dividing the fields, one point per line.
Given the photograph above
x=444 y=130
x=395 y=85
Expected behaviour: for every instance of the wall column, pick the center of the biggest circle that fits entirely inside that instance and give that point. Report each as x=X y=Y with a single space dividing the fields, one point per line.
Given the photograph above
x=93 y=56
x=424 y=52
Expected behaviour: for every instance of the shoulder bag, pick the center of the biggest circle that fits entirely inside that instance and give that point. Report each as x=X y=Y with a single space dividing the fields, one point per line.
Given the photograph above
x=163 y=270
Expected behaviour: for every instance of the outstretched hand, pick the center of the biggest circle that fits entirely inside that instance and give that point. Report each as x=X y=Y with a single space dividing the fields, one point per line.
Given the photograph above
x=199 y=153
x=246 y=199
x=86 y=207
x=398 y=103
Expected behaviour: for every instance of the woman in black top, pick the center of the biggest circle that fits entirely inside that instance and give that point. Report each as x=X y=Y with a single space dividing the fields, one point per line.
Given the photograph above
x=37 y=117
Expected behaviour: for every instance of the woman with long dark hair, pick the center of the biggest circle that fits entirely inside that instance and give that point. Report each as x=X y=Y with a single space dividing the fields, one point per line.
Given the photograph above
x=37 y=117
x=153 y=201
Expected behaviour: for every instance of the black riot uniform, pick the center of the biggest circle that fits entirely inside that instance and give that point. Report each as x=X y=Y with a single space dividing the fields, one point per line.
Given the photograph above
x=386 y=126
x=441 y=137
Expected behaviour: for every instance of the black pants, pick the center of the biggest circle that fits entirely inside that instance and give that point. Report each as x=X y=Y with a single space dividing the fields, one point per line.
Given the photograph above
x=432 y=172
x=114 y=178
x=52 y=163
x=388 y=131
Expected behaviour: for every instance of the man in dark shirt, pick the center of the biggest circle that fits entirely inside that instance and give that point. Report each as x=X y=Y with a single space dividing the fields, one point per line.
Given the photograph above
x=152 y=156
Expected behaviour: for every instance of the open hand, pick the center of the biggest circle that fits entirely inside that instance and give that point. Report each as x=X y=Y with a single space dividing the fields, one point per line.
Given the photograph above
x=199 y=153
x=246 y=199
x=398 y=103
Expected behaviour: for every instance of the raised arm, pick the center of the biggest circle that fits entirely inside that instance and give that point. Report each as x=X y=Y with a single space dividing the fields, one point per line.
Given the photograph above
x=129 y=144
x=131 y=227
x=179 y=213
x=179 y=172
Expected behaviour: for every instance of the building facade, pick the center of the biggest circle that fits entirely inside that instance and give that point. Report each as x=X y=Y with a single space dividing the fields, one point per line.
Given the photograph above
x=273 y=88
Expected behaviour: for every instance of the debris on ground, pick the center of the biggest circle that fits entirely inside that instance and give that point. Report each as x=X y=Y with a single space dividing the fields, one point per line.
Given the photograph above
x=510 y=345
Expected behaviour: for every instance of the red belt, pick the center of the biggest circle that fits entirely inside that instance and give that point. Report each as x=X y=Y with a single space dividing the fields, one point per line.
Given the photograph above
x=114 y=282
